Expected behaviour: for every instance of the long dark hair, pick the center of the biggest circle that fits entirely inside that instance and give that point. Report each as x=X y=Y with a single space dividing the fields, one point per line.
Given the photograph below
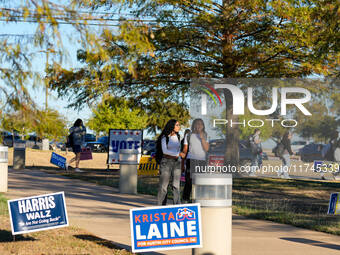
x=169 y=127
x=78 y=123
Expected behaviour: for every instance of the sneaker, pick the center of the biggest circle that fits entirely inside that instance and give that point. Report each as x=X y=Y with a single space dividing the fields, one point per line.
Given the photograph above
x=78 y=170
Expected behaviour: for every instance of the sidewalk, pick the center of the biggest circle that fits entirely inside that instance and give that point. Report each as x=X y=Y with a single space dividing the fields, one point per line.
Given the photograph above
x=104 y=212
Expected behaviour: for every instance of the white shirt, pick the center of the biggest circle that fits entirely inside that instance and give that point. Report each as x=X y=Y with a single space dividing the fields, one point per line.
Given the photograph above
x=173 y=147
x=196 y=150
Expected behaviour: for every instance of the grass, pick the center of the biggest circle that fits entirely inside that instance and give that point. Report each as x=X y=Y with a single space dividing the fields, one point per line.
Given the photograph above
x=69 y=240
x=3 y=205
x=301 y=203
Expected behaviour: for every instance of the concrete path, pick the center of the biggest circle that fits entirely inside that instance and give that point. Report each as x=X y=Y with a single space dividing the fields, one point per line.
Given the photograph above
x=104 y=212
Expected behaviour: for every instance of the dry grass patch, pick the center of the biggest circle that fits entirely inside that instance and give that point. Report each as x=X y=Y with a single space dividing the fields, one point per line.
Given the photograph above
x=68 y=240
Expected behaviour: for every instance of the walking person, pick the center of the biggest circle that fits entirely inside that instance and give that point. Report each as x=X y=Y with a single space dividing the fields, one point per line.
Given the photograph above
x=77 y=132
x=168 y=156
x=287 y=152
x=328 y=150
x=195 y=147
x=256 y=151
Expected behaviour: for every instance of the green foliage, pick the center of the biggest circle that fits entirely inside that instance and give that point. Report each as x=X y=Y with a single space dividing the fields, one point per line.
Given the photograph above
x=92 y=31
x=115 y=113
x=45 y=123
x=320 y=126
x=204 y=39
x=267 y=131
x=49 y=124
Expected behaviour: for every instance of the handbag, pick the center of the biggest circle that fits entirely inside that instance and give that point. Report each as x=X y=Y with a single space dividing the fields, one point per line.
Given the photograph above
x=85 y=154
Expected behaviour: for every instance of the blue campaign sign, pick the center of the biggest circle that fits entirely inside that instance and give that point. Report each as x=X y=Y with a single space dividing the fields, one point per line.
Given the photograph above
x=58 y=160
x=334 y=204
x=38 y=213
x=166 y=227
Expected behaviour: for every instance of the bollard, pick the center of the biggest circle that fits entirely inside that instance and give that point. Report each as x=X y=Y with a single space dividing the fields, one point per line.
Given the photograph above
x=45 y=145
x=19 y=155
x=128 y=160
x=214 y=193
x=3 y=168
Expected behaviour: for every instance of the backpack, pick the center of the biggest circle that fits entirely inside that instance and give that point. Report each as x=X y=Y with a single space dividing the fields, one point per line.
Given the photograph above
x=70 y=142
x=250 y=140
x=188 y=139
x=159 y=151
x=254 y=148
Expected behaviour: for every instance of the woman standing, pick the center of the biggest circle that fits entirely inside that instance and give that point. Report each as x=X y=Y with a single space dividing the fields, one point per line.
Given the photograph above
x=256 y=152
x=196 y=144
x=169 y=143
x=78 y=132
x=287 y=152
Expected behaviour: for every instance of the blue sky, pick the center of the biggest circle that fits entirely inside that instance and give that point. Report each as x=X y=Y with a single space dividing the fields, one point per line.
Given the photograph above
x=38 y=91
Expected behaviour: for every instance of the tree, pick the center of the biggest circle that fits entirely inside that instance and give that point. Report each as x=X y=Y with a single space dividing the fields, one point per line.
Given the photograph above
x=116 y=113
x=49 y=124
x=17 y=51
x=320 y=126
x=213 y=40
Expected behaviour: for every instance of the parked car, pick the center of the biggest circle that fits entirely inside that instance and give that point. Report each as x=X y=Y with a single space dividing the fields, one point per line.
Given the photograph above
x=148 y=147
x=8 y=140
x=311 y=152
x=217 y=150
x=101 y=145
x=3 y=134
x=297 y=145
x=90 y=138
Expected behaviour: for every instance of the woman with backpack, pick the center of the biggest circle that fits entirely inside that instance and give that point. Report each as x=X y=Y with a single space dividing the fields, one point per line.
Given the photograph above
x=168 y=156
x=77 y=135
x=195 y=146
x=285 y=157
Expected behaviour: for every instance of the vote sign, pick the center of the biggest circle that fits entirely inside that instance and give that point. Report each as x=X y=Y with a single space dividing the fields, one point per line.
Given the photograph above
x=123 y=139
x=38 y=213
x=166 y=227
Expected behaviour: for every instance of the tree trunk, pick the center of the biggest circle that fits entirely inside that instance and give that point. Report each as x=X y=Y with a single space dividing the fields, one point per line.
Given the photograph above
x=231 y=156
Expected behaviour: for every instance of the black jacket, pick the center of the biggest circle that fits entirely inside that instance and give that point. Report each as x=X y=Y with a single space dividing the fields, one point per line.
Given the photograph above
x=287 y=147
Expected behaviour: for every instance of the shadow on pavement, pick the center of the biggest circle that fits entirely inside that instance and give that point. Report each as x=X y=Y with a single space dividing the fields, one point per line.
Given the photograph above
x=6 y=236
x=110 y=244
x=312 y=242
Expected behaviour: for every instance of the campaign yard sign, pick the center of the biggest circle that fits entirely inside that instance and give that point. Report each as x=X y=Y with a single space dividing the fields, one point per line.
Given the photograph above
x=38 y=213
x=123 y=139
x=147 y=166
x=334 y=204
x=58 y=160
x=166 y=227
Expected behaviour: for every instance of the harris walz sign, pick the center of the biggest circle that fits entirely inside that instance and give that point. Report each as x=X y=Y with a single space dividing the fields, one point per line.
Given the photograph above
x=38 y=213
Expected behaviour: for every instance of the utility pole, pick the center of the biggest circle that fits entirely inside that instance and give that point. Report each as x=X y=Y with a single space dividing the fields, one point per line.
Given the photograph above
x=46 y=80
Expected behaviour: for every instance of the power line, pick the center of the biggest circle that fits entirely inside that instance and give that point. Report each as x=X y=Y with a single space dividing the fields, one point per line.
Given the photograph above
x=34 y=14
